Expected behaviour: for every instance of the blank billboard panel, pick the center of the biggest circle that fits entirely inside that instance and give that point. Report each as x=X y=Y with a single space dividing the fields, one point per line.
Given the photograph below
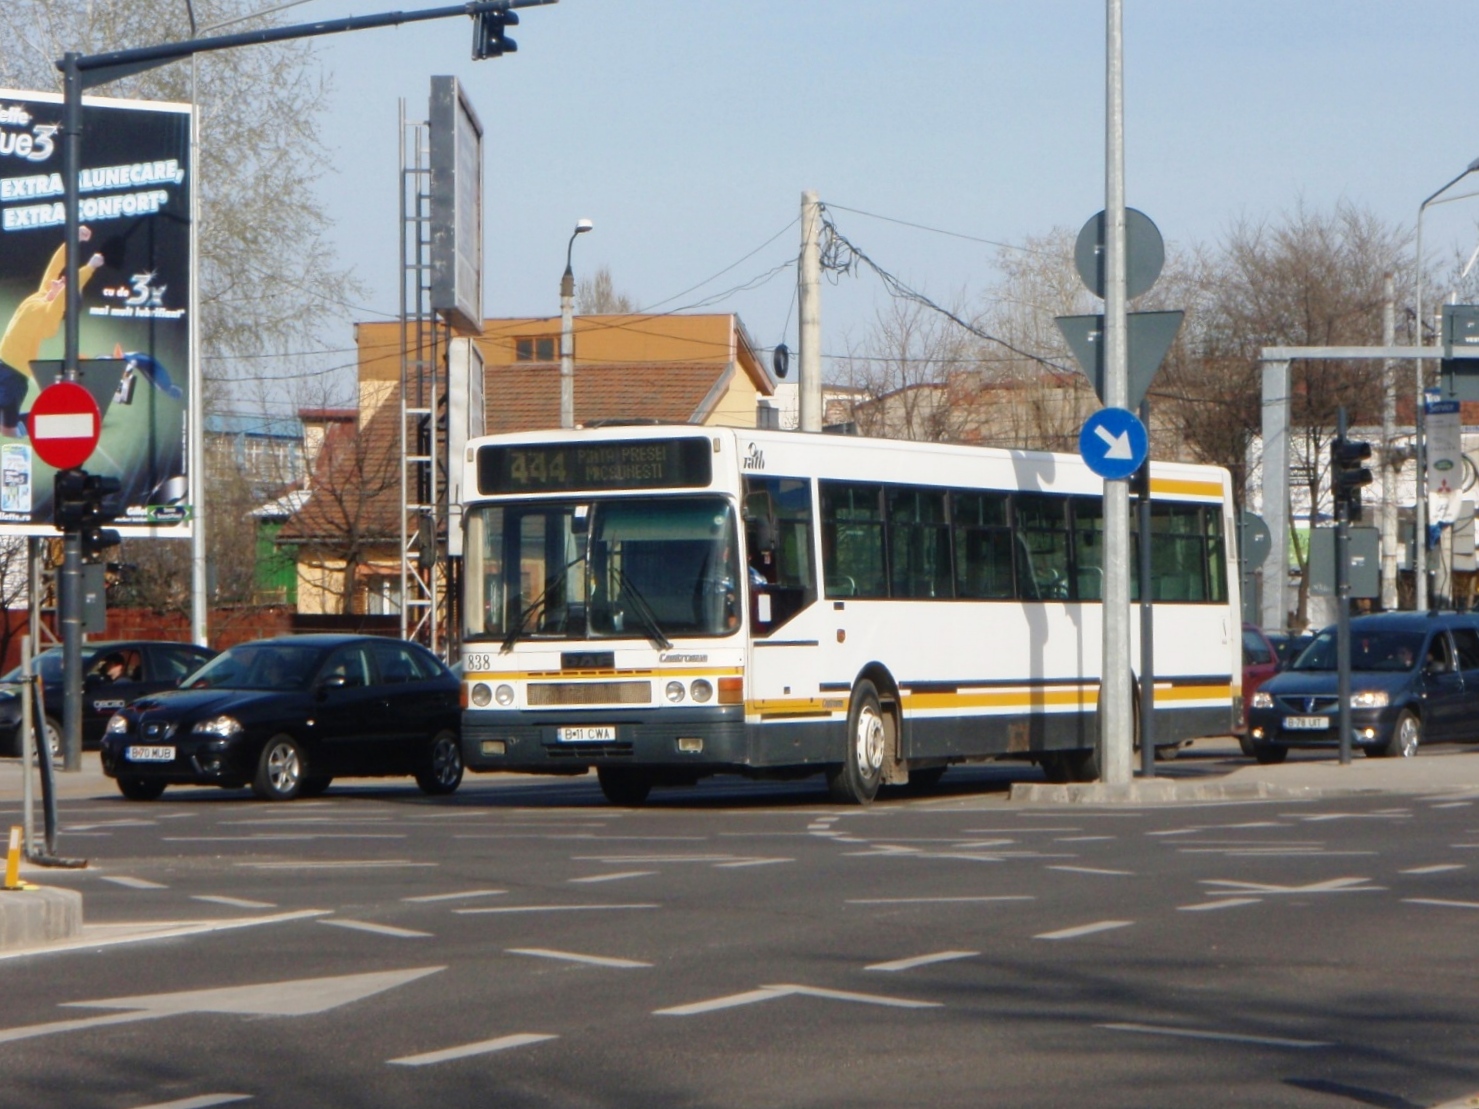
x=456 y=206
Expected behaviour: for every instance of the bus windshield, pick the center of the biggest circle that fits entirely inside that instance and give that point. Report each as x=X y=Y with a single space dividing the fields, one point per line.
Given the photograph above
x=653 y=568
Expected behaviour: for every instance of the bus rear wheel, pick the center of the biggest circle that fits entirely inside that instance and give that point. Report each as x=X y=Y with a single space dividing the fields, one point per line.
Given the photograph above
x=856 y=780
x=623 y=785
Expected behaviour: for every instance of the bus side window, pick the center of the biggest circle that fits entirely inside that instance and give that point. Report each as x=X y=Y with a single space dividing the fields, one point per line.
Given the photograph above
x=790 y=573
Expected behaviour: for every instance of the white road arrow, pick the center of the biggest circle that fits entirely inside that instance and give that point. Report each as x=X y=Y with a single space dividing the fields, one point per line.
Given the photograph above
x=1119 y=445
x=299 y=998
x=1333 y=885
x=771 y=993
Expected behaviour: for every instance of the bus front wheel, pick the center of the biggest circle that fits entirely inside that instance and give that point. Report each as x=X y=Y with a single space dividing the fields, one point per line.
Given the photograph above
x=856 y=781
x=623 y=785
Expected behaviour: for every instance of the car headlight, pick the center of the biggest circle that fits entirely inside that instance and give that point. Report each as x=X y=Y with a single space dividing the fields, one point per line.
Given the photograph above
x=1262 y=700
x=1370 y=699
x=117 y=725
x=218 y=725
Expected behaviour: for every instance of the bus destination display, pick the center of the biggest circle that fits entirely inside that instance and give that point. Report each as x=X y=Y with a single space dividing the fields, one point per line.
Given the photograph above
x=614 y=464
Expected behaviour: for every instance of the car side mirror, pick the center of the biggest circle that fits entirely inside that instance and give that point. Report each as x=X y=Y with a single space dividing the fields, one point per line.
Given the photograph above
x=334 y=681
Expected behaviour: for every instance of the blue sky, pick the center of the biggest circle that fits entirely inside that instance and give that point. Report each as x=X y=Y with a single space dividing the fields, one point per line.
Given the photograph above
x=687 y=130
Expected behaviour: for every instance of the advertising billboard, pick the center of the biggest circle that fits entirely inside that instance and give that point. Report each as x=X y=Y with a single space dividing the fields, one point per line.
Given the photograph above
x=456 y=144
x=134 y=271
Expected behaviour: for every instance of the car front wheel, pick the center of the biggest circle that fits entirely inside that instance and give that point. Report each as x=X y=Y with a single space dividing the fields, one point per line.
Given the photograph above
x=442 y=773
x=140 y=789
x=279 y=770
x=1406 y=736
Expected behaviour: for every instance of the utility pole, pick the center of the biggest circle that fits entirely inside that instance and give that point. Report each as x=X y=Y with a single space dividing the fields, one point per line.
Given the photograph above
x=1116 y=712
x=809 y=293
x=1388 y=433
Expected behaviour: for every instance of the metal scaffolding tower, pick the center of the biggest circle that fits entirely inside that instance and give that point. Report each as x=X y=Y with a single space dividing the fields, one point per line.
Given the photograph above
x=422 y=400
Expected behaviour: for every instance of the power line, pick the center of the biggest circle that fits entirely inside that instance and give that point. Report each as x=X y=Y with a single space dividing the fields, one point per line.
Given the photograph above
x=939 y=230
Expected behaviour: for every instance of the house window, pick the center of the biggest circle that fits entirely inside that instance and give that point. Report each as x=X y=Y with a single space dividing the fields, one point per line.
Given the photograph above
x=534 y=348
x=383 y=595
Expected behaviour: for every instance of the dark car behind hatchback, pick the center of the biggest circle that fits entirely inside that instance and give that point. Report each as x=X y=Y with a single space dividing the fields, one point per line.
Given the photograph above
x=288 y=715
x=1414 y=679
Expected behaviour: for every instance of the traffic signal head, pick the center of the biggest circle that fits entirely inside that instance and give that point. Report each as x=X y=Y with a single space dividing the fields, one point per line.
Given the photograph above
x=95 y=541
x=98 y=490
x=490 y=34
x=69 y=503
x=1347 y=474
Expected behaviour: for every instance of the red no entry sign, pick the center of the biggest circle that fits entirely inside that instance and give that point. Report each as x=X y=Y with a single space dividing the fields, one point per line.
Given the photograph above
x=64 y=425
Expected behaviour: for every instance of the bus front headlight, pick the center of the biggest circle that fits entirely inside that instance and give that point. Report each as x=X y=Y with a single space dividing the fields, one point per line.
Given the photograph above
x=701 y=691
x=480 y=695
x=504 y=695
x=674 y=692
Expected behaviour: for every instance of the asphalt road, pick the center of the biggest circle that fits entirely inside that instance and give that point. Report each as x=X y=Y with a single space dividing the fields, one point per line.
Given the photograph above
x=746 y=944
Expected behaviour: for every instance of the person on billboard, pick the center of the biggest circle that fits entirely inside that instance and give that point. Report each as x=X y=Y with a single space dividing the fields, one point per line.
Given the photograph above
x=35 y=320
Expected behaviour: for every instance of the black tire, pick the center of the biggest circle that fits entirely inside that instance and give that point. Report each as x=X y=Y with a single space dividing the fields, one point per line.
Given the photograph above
x=442 y=773
x=926 y=779
x=140 y=789
x=1054 y=767
x=280 y=773
x=315 y=786
x=1245 y=744
x=1083 y=766
x=624 y=785
x=856 y=780
x=1407 y=734
x=1269 y=754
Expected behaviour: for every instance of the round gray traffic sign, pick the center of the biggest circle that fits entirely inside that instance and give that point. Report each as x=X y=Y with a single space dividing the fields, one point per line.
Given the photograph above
x=1145 y=253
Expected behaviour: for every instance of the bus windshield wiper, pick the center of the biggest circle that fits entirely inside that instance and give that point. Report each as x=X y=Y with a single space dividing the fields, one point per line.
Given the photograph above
x=643 y=610
x=539 y=604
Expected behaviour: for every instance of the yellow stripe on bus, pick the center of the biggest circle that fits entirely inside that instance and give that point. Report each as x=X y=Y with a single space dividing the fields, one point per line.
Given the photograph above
x=1186 y=487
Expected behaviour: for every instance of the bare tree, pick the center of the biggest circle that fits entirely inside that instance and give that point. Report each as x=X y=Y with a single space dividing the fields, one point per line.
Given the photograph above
x=597 y=296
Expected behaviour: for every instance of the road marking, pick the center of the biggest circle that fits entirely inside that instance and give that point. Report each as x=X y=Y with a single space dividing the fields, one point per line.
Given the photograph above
x=750 y=862
x=1451 y=805
x=923 y=960
x=618 y=876
x=110 y=935
x=648 y=860
x=1091 y=870
x=770 y=993
x=1225 y=903
x=1080 y=839
x=486 y=1047
x=1436 y=868
x=1227 y=1037
x=1332 y=885
x=378 y=929
x=429 y=897
x=281 y=837
x=572 y=957
x=204 y=1101
x=340 y=864
x=303 y=997
x=234 y=902
x=1444 y=904
x=551 y=909
x=1083 y=930
x=935 y=900
x=1015 y=831
x=134 y=883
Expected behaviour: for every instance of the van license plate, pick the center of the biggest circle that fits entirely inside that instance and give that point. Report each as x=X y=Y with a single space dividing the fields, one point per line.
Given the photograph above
x=151 y=754
x=590 y=733
x=1307 y=723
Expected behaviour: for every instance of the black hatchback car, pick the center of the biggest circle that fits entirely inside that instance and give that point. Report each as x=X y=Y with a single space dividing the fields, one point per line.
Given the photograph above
x=1414 y=679
x=114 y=674
x=286 y=716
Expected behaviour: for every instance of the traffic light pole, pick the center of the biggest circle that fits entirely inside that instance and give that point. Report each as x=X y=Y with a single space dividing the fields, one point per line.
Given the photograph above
x=1342 y=592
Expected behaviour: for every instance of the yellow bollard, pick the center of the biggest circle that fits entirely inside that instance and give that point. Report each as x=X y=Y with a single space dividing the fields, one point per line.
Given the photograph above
x=13 y=860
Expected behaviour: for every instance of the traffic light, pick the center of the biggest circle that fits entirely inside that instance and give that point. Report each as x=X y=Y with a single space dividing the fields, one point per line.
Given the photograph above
x=69 y=503
x=95 y=541
x=490 y=34
x=1347 y=474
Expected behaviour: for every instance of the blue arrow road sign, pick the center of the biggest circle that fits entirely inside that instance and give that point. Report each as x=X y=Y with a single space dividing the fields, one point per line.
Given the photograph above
x=1113 y=443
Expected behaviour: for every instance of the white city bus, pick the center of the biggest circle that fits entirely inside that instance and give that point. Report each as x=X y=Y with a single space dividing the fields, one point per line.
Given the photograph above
x=663 y=603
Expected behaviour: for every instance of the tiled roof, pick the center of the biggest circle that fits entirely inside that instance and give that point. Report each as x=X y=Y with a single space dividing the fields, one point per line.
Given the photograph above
x=526 y=395
x=355 y=490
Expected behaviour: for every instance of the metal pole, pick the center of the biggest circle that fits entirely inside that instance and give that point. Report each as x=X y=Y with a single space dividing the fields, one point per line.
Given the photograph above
x=1275 y=429
x=1343 y=600
x=1147 y=623
x=199 y=593
x=69 y=595
x=1419 y=446
x=567 y=343
x=809 y=294
x=1388 y=471
x=28 y=744
x=1116 y=720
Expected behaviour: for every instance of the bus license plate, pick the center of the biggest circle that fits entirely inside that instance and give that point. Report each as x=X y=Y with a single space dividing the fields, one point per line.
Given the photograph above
x=1306 y=723
x=151 y=754
x=590 y=733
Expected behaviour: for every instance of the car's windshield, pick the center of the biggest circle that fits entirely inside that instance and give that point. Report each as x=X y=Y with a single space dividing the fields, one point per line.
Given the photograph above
x=282 y=666
x=1380 y=650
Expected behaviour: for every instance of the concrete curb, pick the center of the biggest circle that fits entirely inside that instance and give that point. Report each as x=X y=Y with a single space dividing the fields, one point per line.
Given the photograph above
x=1166 y=791
x=39 y=915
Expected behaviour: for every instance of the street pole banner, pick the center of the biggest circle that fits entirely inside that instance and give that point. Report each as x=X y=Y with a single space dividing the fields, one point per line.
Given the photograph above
x=135 y=273
x=1445 y=459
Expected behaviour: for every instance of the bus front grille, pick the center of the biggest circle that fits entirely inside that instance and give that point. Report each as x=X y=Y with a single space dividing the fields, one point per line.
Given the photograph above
x=589 y=693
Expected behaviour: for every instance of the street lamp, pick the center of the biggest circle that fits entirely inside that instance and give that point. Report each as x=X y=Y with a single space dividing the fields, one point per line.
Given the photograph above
x=1420 y=509
x=567 y=327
